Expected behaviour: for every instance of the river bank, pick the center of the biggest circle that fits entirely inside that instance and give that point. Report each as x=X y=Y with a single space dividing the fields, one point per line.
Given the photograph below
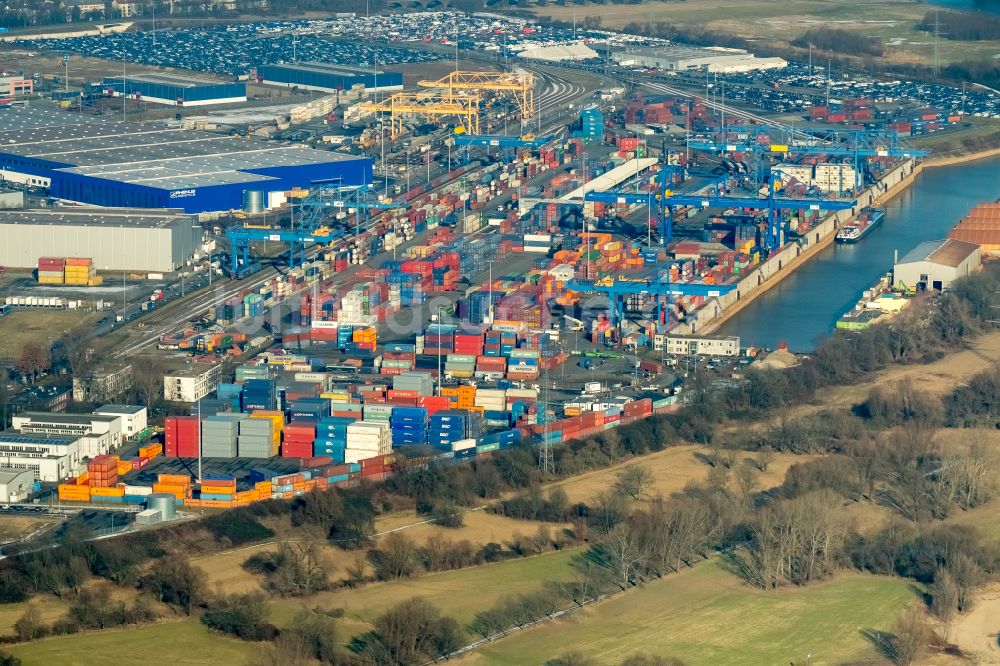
x=708 y=325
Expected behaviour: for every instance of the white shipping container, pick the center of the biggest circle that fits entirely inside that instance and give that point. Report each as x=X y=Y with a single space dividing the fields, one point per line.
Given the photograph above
x=463 y=445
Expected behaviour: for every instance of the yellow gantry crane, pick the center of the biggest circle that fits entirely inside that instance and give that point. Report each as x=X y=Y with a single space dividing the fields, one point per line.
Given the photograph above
x=520 y=84
x=401 y=104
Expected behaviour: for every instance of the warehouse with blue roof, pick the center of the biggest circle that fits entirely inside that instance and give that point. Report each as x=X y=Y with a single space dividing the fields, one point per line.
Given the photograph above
x=115 y=163
x=324 y=77
x=176 y=90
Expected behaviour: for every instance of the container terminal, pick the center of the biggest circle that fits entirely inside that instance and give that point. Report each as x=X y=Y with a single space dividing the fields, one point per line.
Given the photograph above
x=487 y=258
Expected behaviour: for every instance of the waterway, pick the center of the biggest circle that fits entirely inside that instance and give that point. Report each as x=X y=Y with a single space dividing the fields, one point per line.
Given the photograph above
x=805 y=306
x=988 y=6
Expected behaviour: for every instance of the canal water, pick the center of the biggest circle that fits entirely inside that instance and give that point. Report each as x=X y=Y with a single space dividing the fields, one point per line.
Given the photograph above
x=805 y=306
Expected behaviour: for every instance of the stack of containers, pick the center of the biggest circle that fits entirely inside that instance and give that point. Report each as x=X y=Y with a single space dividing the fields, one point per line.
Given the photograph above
x=420 y=382
x=377 y=413
x=499 y=343
x=180 y=436
x=523 y=364
x=395 y=363
x=469 y=343
x=218 y=488
x=219 y=436
x=75 y=492
x=260 y=394
x=439 y=338
x=331 y=437
x=462 y=366
x=464 y=449
x=299 y=440
x=309 y=409
x=51 y=270
x=108 y=495
x=491 y=400
x=137 y=494
x=253 y=305
x=277 y=420
x=367 y=440
x=376 y=468
x=434 y=403
x=247 y=372
x=491 y=366
x=80 y=271
x=256 y=438
x=178 y=485
x=103 y=472
x=363 y=339
x=408 y=426
x=447 y=427
x=475 y=308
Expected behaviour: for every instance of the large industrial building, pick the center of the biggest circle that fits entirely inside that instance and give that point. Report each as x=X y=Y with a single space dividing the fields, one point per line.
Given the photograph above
x=324 y=77
x=936 y=264
x=982 y=227
x=689 y=58
x=175 y=90
x=114 y=163
x=117 y=240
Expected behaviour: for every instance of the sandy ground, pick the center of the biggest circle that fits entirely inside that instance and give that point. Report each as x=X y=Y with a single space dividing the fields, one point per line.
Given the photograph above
x=976 y=632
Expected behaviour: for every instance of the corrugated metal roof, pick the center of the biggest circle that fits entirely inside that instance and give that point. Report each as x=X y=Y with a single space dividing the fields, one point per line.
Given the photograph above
x=981 y=226
x=945 y=252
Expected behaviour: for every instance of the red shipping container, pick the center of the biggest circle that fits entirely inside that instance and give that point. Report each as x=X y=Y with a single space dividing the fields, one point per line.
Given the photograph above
x=318 y=461
x=393 y=393
x=296 y=450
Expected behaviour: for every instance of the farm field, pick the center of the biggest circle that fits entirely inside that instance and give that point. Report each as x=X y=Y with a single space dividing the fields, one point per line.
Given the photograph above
x=778 y=21
x=706 y=616
x=672 y=469
x=460 y=594
x=186 y=642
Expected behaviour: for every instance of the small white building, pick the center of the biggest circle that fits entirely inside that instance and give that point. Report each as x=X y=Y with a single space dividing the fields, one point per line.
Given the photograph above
x=16 y=484
x=135 y=418
x=51 y=457
x=192 y=383
x=96 y=434
x=698 y=345
x=936 y=264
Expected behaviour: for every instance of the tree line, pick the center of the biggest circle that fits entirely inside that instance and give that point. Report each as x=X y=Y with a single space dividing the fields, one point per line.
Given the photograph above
x=961 y=26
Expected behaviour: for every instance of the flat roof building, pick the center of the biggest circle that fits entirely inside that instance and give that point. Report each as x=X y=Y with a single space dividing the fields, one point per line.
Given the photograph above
x=116 y=239
x=104 y=382
x=16 y=484
x=325 y=77
x=177 y=89
x=135 y=418
x=192 y=383
x=51 y=457
x=689 y=58
x=97 y=434
x=936 y=264
x=143 y=165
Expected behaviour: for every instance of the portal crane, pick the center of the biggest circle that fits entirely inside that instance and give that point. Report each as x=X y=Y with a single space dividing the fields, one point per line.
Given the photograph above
x=521 y=84
x=665 y=198
x=617 y=288
x=400 y=104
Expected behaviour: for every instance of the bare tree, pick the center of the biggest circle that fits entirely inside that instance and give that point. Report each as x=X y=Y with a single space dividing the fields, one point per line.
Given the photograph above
x=763 y=458
x=622 y=551
x=633 y=481
x=944 y=595
x=395 y=557
x=147 y=383
x=746 y=481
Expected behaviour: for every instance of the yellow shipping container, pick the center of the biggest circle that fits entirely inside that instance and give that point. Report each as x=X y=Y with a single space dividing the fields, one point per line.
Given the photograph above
x=50 y=280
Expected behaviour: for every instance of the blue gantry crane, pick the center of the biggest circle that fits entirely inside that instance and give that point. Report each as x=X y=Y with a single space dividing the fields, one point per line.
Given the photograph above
x=315 y=224
x=617 y=288
x=664 y=198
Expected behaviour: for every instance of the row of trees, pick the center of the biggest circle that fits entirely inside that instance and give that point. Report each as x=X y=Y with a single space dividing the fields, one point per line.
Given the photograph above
x=840 y=41
x=961 y=26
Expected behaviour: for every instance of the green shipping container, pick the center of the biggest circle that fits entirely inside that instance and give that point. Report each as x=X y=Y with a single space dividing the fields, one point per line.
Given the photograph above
x=486 y=448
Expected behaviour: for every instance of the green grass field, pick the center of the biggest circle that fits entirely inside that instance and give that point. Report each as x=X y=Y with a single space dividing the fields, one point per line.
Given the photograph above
x=707 y=616
x=460 y=594
x=176 y=643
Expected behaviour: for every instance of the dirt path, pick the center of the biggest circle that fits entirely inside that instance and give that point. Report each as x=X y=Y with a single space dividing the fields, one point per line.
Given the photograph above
x=976 y=633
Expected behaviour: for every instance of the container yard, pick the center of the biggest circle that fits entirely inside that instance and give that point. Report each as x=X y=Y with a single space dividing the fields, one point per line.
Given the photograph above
x=518 y=283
